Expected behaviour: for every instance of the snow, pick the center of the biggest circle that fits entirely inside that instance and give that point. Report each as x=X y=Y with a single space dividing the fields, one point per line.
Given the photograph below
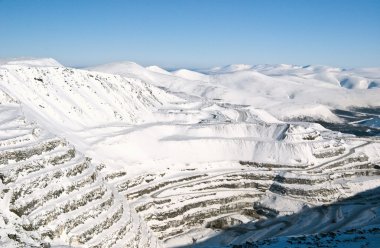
x=190 y=75
x=75 y=98
x=284 y=91
x=228 y=68
x=222 y=126
x=155 y=68
x=32 y=62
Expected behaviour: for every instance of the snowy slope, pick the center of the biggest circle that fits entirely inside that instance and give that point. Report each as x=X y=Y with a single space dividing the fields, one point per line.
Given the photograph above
x=31 y=62
x=50 y=194
x=285 y=91
x=155 y=68
x=77 y=98
x=190 y=75
x=202 y=152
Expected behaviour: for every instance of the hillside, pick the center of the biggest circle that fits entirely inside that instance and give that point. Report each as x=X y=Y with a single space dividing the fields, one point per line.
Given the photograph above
x=286 y=91
x=51 y=194
x=93 y=159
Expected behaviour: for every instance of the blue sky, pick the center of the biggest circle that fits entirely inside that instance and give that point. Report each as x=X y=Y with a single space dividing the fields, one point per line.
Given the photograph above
x=193 y=33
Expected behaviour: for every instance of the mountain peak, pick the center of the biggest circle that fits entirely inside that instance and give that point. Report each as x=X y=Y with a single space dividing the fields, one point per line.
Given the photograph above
x=155 y=68
x=32 y=62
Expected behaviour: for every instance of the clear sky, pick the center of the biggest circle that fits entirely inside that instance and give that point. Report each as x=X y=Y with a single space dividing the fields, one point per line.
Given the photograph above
x=193 y=33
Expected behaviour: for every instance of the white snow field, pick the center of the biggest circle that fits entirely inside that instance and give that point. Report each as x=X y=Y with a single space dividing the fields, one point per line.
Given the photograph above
x=125 y=156
x=285 y=91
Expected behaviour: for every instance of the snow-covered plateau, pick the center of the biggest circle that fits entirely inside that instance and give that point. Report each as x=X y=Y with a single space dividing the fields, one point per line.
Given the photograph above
x=120 y=155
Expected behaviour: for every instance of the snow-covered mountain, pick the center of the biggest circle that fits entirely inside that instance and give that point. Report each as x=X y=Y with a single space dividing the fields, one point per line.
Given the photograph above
x=142 y=157
x=31 y=62
x=288 y=92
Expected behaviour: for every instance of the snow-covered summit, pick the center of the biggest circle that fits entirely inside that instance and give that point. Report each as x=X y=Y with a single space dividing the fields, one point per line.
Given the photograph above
x=121 y=68
x=31 y=62
x=190 y=75
x=228 y=68
x=155 y=68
